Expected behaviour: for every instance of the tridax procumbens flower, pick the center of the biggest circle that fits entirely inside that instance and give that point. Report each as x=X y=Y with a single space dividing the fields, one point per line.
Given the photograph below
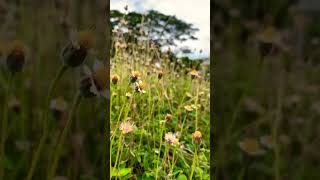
x=251 y=147
x=171 y=138
x=95 y=82
x=75 y=52
x=16 y=56
x=140 y=86
x=126 y=127
x=197 y=136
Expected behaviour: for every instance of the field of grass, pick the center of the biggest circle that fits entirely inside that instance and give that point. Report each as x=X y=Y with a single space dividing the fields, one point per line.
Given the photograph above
x=160 y=115
x=266 y=97
x=47 y=130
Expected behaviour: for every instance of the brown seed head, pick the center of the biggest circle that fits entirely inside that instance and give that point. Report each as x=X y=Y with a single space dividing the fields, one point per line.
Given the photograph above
x=115 y=78
x=16 y=56
x=197 y=136
x=168 y=117
x=135 y=75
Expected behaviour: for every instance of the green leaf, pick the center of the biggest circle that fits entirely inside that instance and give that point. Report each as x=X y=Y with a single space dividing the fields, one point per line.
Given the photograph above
x=124 y=172
x=120 y=173
x=182 y=177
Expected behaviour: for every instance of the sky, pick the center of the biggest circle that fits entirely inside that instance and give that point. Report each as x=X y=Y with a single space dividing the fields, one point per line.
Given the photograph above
x=196 y=12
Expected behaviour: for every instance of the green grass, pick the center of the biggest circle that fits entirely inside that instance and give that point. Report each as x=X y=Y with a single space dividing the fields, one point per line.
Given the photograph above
x=144 y=153
x=33 y=129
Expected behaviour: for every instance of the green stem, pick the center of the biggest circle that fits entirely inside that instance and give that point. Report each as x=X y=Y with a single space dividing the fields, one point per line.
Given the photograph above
x=4 y=127
x=173 y=156
x=45 y=125
x=159 y=149
x=63 y=136
x=193 y=163
x=118 y=152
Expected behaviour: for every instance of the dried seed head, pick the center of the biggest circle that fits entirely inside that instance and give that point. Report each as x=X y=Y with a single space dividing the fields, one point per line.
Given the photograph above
x=197 y=136
x=73 y=56
x=135 y=75
x=126 y=127
x=75 y=53
x=168 y=117
x=115 y=78
x=16 y=56
x=160 y=74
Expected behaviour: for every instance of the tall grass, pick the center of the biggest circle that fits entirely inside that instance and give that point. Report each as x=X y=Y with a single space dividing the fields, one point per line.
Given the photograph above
x=163 y=112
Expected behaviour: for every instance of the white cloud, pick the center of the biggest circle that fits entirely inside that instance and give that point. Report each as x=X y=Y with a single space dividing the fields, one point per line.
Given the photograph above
x=191 y=11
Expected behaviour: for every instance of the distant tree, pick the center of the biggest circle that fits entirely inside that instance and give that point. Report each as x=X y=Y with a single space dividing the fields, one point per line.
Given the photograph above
x=162 y=29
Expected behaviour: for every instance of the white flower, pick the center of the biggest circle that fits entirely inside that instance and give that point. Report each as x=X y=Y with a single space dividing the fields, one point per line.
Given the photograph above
x=98 y=79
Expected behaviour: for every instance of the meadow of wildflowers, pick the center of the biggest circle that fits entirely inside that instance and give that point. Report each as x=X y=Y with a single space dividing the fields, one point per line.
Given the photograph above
x=160 y=114
x=53 y=89
x=266 y=90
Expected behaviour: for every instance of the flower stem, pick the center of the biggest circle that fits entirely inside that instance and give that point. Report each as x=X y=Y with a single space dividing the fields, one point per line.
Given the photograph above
x=45 y=125
x=4 y=127
x=193 y=162
x=118 y=152
x=63 y=136
x=159 y=151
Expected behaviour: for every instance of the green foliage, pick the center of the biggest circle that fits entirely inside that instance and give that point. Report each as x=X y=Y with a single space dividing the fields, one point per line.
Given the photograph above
x=162 y=29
